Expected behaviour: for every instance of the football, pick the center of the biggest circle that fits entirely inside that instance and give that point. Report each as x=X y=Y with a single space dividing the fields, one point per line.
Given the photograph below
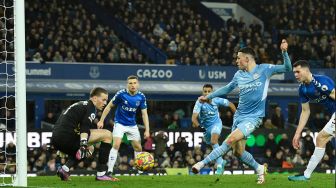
x=144 y=161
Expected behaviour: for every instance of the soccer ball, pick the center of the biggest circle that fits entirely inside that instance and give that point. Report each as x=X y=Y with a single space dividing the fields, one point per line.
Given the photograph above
x=144 y=161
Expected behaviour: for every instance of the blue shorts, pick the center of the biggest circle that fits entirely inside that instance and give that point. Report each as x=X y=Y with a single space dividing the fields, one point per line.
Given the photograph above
x=246 y=125
x=214 y=129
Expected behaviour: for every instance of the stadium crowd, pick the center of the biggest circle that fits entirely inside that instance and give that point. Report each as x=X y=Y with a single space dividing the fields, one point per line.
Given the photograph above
x=63 y=31
x=179 y=30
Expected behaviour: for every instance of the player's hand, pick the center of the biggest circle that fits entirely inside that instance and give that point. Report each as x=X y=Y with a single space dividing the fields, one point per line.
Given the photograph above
x=284 y=45
x=296 y=141
x=195 y=125
x=83 y=151
x=100 y=124
x=146 y=134
x=203 y=99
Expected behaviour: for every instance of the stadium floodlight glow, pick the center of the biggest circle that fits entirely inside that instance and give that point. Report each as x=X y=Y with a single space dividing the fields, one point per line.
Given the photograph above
x=278 y=138
x=260 y=140
x=251 y=141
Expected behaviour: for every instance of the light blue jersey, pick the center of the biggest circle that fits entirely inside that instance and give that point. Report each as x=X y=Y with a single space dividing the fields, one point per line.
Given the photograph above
x=318 y=90
x=127 y=106
x=208 y=114
x=253 y=88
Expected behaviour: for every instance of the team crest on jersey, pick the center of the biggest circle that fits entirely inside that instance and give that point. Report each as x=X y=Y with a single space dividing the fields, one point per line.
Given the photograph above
x=324 y=88
x=256 y=76
x=137 y=103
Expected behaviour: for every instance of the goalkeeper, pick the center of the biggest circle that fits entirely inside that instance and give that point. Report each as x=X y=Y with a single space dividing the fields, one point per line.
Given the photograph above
x=72 y=135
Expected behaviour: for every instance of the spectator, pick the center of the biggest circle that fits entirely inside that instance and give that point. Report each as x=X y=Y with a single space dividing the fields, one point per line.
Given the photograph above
x=278 y=119
x=160 y=141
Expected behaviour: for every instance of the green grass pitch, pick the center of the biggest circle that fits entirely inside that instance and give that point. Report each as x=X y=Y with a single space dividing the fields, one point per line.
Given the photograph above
x=202 y=181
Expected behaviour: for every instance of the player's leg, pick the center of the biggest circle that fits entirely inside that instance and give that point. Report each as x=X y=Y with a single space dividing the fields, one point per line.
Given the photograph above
x=246 y=157
x=323 y=137
x=61 y=139
x=235 y=136
x=117 y=135
x=133 y=135
x=105 y=137
x=215 y=134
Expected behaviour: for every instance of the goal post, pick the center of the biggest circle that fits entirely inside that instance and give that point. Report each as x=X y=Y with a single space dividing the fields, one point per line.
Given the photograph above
x=20 y=94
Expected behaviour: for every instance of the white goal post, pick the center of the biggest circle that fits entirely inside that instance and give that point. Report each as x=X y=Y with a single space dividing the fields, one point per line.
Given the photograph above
x=20 y=94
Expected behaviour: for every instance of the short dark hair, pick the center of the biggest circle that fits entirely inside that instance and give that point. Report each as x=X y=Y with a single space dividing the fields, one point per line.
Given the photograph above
x=208 y=86
x=302 y=63
x=97 y=91
x=132 y=77
x=248 y=50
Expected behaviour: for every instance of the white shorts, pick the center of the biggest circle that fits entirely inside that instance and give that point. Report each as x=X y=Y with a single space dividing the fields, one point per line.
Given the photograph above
x=330 y=126
x=132 y=132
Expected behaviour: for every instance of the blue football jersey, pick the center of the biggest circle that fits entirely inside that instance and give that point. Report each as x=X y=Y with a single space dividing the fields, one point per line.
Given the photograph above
x=318 y=90
x=253 y=87
x=208 y=114
x=127 y=106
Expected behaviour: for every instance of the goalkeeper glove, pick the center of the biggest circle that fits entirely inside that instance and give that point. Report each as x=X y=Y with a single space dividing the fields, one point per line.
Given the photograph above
x=83 y=151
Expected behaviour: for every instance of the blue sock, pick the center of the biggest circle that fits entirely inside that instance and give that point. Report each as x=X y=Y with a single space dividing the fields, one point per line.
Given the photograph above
x=219 y=160
x=248 y=159
x=218 y=152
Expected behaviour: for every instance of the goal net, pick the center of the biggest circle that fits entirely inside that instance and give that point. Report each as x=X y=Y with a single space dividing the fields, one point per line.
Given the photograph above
x=13 y=147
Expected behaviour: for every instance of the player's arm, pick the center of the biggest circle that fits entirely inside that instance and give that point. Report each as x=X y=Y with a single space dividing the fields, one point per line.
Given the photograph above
x=145 y=121
x=196 y=111
x=302 y=123
x=106 y=111
x=332 y=94
x=286 y=67
x=221 y=91
x=194 y=120
x=232 y=107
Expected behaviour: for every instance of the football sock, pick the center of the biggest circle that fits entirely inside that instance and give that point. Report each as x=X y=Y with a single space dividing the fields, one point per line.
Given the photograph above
x=218 y=152
x=248 y=159
x=314 y=161
x=65 y=168
x=112 y=159
x=104 y=151
x=219 y=160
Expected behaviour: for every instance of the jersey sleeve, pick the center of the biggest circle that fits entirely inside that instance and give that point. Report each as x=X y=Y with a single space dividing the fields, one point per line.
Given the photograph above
x=88 y=118
x=226 y=89
x=277 y=69
x=222 y=102
x=197 y=107
x=117 y=98
x=327 y=85
x=143 y=103
x=303 y=97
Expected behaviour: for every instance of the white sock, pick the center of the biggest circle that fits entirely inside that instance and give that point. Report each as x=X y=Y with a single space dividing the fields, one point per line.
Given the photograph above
x=260 y=170
x=65 y=168
x=314 y=161
x=112 y=159
x=101 y=173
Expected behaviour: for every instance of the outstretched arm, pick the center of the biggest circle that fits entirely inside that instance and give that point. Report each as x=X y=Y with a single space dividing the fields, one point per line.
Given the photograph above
x=222 y=91
x=107 y=109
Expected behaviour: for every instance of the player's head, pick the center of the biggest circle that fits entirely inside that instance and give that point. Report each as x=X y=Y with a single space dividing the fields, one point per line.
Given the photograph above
x=207 y=89
x=132 y=83
x=301 y=71
x=245 y=57
x=99 y=97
